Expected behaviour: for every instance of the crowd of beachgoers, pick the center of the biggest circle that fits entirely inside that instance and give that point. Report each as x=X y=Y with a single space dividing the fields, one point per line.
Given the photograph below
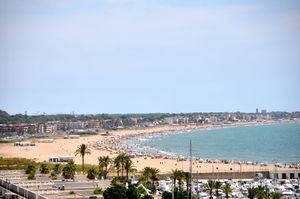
x=132 y=145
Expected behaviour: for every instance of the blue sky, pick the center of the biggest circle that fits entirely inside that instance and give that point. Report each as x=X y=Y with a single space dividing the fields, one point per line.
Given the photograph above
x=149 y=56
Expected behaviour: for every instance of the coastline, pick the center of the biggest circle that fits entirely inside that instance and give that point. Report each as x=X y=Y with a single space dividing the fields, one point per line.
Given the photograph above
x=107 y=145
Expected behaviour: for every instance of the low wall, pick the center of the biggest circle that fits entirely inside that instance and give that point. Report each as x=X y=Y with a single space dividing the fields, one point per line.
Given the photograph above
x=20 y=190
x=227 y=175
x=230 y=175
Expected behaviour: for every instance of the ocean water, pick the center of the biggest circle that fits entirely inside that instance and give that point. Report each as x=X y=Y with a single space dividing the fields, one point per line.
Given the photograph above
x=263 y=143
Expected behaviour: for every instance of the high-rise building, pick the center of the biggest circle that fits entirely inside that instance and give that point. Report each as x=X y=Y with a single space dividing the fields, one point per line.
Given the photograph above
x=256 y=110
x=263 y=111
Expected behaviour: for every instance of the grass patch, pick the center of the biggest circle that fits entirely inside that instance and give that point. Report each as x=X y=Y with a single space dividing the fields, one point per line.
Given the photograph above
x=15 y=163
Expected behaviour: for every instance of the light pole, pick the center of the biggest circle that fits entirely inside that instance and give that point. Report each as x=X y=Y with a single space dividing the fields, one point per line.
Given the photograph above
x=191 y=170
x=241 y=172
x=173 y=191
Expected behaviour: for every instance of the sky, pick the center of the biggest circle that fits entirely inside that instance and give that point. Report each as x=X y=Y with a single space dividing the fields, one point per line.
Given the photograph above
x=138 y=56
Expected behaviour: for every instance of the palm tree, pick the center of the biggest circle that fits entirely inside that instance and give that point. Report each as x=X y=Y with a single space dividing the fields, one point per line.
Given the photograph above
x=69 y=170
x=227 y=190
x=153 y=174
x=210 y=185
x=267 y=194
x=128 y=165
x=251 y=192
x=218 y=186
x=44 y=168
x=92 y=173
x=82 y=150
x=174 y=175
x=119 y=163
x=187 y=180
x=104 y=161
x=146 y=173
x=260 y=192
x=180 y=176
x=57 y=168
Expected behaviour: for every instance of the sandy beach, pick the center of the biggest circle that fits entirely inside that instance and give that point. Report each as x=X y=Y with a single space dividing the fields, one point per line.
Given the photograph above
x=106 y=145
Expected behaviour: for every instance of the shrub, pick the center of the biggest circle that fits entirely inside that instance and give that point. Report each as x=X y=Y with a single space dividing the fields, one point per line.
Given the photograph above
x=147 y=197
x=53 y=176
x=15 y=163
x=92 y=173
x=69 y=170
x=115 y=192
x=57 y=168
x=31 y=176
x=98 y=191
x=44 y=169
x=30 y=169
x=116 y=181
x=132 y=192
x=166 y=195
x=71 y=192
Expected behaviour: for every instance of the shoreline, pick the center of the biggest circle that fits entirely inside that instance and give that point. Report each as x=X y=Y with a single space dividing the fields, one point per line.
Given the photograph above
x=107 y=145
x=158 y=153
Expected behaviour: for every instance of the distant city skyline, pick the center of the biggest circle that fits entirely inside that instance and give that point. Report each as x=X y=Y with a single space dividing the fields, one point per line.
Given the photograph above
x=138 y=56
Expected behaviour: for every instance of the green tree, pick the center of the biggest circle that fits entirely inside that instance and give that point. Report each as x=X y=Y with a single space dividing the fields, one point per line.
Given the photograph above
x=166 y=195
x=210 y=185
x=267 y=194
x=53 y=175
x=115 y=192
x=82 y=150
x=128 y=165
x=31 y=129
x=119 y=163
x=260 y=192
x=178 y=194
x=146 y=172
x=227 y=190
x=103 y=161
x=31 y=176
x=217 y=186
x=154 y=175
x=98 y=191
x=187 y=180
x=44 y=168
x=276 y=195
x=174 y=176
x=181 y=176
x=57 y=168
x=132 y=192
x=92 y=173
x=69 y=170
x=251 y=192
x=147 y=197
x=30 y=168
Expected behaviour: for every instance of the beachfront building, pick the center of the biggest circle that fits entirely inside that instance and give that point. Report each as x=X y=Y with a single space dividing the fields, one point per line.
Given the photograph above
x=285 y=174
x=72 y=137
x=24 y=144
x=17 y=128
x=46 y=140
x=60 y=159
x=51 y=128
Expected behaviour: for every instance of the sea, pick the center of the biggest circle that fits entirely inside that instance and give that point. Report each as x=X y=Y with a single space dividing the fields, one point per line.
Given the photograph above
x=268 y=143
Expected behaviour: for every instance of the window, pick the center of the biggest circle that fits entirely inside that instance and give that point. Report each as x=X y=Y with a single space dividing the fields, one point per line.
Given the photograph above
x=292 y=176
x=284 y=176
